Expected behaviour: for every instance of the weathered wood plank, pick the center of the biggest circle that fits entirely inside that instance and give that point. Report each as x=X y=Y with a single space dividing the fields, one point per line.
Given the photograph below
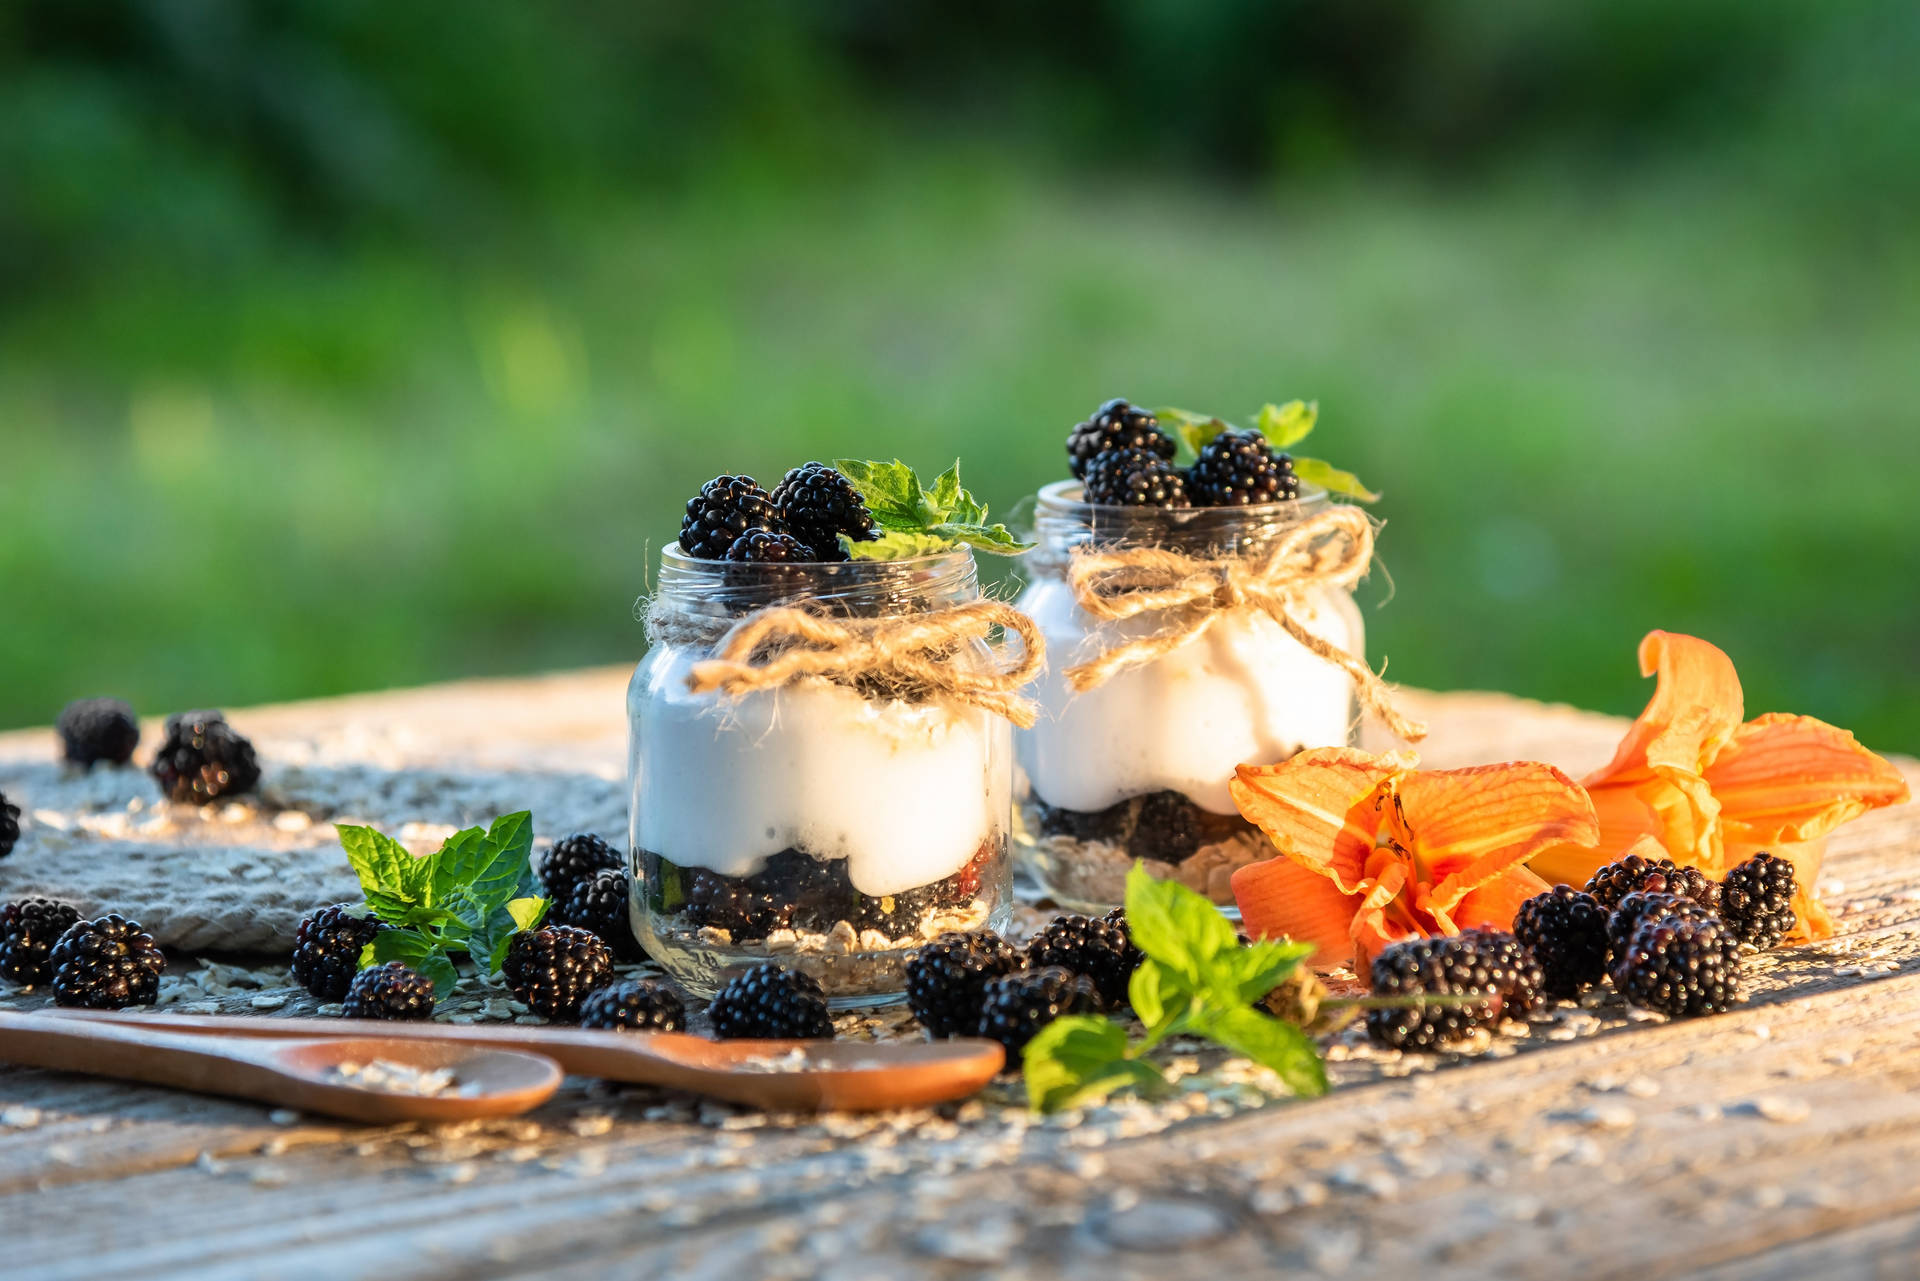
x=1777 y=1139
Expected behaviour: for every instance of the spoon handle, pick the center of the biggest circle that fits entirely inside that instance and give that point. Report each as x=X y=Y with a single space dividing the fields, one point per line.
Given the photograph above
x=138 y=1053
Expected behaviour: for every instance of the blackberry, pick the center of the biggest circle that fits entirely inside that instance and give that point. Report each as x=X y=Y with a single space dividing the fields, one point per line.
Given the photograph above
x=1756 y=900
x=1566 y=931
x=1237 y=469
x=600 y=904
x=818 y=504
x=637 y=1005
x=725 y=508
x=203 y=759
x=572 y=860
x=393 y=991
x=1477 y=963
x=9 y=825
x=765 y=547
x=1099 y=948
x=1681 y=966
x=28 y=931
x=327 y=947
x=1115 y=425
x=1134 y=478
x=771 y=1003
x=1661 y=875
x=1642 y=905
x=735 y=905
x=1014 y=1008
x=98 y=729
x=106 y=964
x=947 y=978
x=553 y=968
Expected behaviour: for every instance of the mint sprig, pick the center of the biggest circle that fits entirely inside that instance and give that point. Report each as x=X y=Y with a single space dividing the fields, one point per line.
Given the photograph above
x=1284 y=426
x=1197 y=980
x=472 y=895
x=920 y=520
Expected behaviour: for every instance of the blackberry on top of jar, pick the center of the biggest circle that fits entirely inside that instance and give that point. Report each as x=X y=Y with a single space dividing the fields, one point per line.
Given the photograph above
x=1114 y=426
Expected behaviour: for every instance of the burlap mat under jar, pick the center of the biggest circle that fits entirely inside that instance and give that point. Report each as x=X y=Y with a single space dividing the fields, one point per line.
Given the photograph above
x=237 y=876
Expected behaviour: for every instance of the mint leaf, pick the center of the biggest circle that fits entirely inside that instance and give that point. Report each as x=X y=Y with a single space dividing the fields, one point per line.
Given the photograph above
x=414 y=949
x=1287 y=424
x=1177 y=927
x=997 y=539
x=1157 y=994
x=1191 y=431
x=1330 y=478
x=917 y=521
x=1255 y=970
x=383 y=865
x=890 y=490
x=494 y=934
x=1080 y=1059
x=527 y=913
x=1268 y=1041
x=458 y=860
x=895 y=544
x=945 y=498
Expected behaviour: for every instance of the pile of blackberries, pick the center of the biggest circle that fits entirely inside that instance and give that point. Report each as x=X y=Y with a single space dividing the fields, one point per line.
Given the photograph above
x=981 y=985
x=1123 y=458
x=1667 y=937
x=732 y=518
x=107 y=963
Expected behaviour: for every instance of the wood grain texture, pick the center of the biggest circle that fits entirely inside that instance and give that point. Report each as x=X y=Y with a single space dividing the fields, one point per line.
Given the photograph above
x=1776 y=1141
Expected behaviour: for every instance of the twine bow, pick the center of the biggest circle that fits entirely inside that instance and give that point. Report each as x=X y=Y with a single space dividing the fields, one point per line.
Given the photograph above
x=916 y=656
x=1334 y=549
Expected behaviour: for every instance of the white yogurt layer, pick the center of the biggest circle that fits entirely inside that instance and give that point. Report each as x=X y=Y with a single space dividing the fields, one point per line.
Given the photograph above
x=1246 y=692
x=905 y=793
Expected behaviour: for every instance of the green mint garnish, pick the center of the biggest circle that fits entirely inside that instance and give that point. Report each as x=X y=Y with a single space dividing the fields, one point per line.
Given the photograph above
x=919 y=520
x=1284 y=426
x=1197 y=980
x=472 y=895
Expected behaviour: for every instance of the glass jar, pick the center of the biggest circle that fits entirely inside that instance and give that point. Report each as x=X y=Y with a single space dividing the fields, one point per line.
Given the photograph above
x=825 y=825
x=1137 y=767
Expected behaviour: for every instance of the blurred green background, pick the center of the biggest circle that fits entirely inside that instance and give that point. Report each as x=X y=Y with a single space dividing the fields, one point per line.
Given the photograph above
x=349 y=344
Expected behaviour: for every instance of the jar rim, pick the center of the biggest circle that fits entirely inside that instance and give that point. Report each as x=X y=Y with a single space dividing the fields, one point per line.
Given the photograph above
x=672 y=556
x=1062 y=503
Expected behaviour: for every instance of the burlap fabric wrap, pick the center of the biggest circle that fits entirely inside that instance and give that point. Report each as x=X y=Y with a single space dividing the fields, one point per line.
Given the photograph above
x=920 y=656
x=1186 y=595
x=238 y=876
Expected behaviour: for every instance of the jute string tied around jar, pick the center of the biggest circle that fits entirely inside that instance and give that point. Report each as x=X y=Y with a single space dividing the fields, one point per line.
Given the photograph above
x=920 y=657
x=1192 y=593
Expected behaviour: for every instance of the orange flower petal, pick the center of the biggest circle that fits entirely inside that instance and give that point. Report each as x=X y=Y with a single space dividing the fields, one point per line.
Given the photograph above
x=1793 y=778
x=1371 y=931
x=1281 y=898
x=1318 y=808
x=1494 y=903
x=1470 y=825
x=1575 y=864
x=1695 y=708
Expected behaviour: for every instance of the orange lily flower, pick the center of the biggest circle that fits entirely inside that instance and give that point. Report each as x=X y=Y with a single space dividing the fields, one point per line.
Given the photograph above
x=1713 y=791
x=1373 y=850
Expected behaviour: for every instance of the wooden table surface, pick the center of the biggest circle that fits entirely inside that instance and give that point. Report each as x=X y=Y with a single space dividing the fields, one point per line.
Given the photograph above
x=1782 y=1140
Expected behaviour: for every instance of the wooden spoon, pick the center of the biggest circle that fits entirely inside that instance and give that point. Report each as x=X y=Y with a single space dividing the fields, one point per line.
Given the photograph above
x=851 y=1076
x=298 y=1073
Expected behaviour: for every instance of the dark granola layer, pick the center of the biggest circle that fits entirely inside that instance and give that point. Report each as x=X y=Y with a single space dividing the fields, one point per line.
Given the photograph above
x=1163 y=826
x=796 y=891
